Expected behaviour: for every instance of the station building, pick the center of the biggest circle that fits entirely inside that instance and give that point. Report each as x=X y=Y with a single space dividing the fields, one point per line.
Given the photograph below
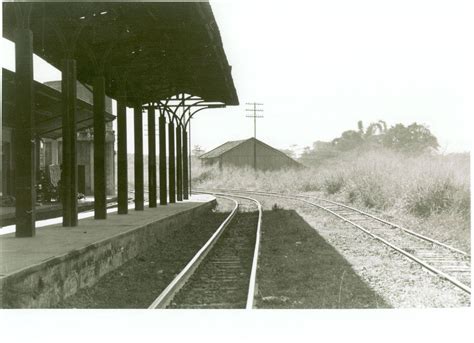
x=85 y=146
x=48 y=140
x=164 y=60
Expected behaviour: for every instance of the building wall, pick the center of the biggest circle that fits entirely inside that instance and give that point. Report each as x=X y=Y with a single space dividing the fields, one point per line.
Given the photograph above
x=110 y=168
x=84 y=150
x=267 y=158
x=85 y=157
x=52 y=151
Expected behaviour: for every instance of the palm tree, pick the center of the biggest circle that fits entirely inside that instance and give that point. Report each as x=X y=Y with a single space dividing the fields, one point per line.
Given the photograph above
x=351 y=138
x=379 y=127
x=360 y=127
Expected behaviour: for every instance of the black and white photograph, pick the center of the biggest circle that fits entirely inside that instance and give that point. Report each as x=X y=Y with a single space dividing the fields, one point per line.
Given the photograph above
x=228 y=170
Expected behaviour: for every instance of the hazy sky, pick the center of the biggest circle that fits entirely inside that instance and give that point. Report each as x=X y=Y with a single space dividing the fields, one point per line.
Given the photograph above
x=320 y=66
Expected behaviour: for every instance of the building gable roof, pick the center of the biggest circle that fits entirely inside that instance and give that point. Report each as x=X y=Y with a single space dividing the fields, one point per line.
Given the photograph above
x=222 y=149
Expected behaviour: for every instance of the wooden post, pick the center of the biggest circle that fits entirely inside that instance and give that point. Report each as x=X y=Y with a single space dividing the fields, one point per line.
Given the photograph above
x=69 y=134
x=25 y=193
x=100 y=200
x=37 y=158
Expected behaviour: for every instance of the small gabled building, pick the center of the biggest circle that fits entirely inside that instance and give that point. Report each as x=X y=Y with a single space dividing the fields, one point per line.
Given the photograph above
x=249 y=153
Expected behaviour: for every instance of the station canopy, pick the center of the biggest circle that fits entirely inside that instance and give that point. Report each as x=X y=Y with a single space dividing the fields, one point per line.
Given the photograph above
x=48 y=108
x=159 y=48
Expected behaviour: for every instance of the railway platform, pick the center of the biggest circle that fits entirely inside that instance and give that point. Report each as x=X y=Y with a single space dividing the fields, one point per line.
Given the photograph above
x=38 y=272
x=48 y=211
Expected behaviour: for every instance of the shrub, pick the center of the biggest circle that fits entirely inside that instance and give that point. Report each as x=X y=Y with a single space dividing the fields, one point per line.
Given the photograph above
x=333 y=184
x=309 y=186
x=436 y=196
x=463 y=203
x=204 y=176
x=421 y=185
x=367 y=191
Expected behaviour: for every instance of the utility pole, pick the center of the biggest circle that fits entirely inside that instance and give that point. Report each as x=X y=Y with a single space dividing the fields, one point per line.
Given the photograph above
x=254 y=115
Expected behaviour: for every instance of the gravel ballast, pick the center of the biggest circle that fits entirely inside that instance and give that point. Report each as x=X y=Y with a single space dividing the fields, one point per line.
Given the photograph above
x=138 y=282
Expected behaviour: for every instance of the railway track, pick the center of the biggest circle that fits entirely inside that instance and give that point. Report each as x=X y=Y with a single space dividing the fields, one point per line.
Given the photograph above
x=447 y=262
x=223 y=272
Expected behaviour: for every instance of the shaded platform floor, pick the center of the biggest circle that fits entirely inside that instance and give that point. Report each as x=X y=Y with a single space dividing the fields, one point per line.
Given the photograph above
x=54 y=240
x=48 y=210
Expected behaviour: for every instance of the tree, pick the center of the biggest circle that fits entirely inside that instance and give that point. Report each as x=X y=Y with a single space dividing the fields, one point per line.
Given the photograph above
x=413 y=138
x=348 y=140
x=377 y=128
x=351 y=139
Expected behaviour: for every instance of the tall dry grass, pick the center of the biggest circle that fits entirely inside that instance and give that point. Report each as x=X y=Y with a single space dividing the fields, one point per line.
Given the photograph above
x=425 y=190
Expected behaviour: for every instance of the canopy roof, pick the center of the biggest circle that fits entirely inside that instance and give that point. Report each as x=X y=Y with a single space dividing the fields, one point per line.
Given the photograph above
x=48 y=108
x=160 y=48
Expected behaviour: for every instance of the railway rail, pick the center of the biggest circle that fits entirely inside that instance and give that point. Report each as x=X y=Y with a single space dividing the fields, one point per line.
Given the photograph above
x=222 y=274
x=447 y=262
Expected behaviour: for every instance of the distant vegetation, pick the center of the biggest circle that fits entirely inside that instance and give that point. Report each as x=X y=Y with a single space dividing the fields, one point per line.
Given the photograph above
x=413 y=139
x=394 y=171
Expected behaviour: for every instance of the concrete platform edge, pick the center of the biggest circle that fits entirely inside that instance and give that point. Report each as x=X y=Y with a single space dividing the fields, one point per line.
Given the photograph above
x=47 y=283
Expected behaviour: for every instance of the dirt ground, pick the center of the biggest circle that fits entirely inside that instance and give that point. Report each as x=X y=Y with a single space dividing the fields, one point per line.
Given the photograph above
x=358 y=271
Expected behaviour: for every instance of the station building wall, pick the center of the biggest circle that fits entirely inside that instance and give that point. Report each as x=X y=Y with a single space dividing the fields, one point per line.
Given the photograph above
x=268 y=158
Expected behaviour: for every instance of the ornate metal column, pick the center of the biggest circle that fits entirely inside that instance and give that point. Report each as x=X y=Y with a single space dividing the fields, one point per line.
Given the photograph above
x=179 y=164
x=185 y=165
x=122 y=159
x=138 y=122
x=162 y=159
x=171 y=162
x=100 y=200
x=151 y=158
